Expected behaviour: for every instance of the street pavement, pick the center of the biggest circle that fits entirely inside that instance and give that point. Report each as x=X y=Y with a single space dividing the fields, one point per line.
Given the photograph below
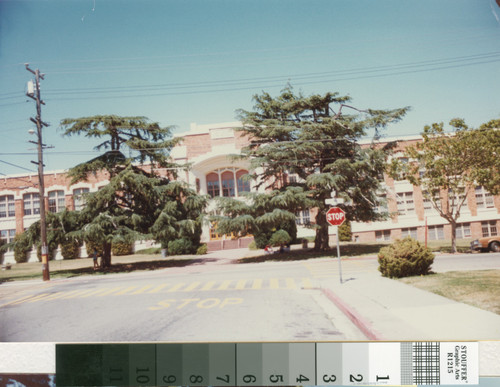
x=386 y=309
x=373 y=307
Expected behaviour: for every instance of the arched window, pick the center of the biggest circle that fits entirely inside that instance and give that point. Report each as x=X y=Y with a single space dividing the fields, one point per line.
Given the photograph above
x=228 y=184
x=213 y=188
x=243 y=184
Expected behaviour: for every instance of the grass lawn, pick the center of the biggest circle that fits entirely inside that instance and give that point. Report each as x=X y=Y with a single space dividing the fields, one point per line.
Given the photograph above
x=479 y=288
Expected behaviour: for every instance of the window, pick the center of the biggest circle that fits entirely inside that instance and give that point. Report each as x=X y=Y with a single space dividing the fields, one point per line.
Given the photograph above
x=7 y=235
x=383 y=235
x=57 y=202
x=489 y=228
x=303 y=217
x=483 y=198
x=228 y=184
x=411 y=232
x=435 y=232
x=7 y=206
x=213 y=187
x=78 y=198
x=243 y=183
x=405 y=203
x=454 y=202
x=428 y=206
x=31 y=204
x=382 y=207
x=463 y=230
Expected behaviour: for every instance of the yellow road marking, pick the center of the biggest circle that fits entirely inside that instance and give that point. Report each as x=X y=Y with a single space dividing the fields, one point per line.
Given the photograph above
x=241 y=284
x=141 y=290
x=158 y=288
x=175 y=287
x=126 y=290
x=96 y=291
x=191 y=287
x=208 y=286
x=306 y=283
x=290 y=283
x=109 y=291
x=274 y=283
x=78 y=294
x=224 y=285
x=257 y=284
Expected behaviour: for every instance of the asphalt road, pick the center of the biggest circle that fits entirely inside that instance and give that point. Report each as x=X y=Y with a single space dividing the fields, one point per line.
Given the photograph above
x=273 y=301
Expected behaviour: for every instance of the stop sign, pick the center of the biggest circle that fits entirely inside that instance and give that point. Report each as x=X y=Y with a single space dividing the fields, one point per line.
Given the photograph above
x=335 y=216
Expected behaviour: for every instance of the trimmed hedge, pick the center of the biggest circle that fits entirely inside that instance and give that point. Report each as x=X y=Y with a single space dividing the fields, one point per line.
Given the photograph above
x=70 y=249
x=405 y=258
x=122 y=248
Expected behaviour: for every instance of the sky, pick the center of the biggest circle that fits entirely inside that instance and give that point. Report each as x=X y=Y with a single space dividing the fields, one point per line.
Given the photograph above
x=183 y=61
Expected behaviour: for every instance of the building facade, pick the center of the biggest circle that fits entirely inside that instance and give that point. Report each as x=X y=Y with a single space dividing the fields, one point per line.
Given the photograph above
x=208 y=150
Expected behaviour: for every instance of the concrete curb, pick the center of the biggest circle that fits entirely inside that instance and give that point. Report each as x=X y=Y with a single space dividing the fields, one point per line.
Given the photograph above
x=360 y=322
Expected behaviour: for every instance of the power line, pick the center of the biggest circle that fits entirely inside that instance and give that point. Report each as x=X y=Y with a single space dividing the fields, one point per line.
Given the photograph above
x=17 y=166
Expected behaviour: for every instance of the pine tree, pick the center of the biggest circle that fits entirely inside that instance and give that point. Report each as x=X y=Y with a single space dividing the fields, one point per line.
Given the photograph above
x=305 y=136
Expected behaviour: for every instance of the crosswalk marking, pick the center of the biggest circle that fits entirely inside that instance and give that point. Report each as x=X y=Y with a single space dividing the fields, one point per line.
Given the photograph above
x=158 y=288
x=142 y=290
x=175 y=287
x=224 y=285
x=108 y=291
x=126 y=290
x=286 y=283
x=257 y=284
x=241 y=284
x=191 y=287
x=208 y=286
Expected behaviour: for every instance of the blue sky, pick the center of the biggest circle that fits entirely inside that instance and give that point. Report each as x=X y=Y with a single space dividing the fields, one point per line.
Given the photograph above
x=182 y=61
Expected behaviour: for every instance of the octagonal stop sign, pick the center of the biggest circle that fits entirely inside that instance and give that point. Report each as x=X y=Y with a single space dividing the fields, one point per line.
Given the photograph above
x=335 y=216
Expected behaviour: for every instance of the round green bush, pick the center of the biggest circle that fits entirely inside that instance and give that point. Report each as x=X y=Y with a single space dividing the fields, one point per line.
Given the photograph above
x=405 y=258
x=70 y=249
x=90 y=246
x=280 y=238
x=180 y=247
x=122 y=248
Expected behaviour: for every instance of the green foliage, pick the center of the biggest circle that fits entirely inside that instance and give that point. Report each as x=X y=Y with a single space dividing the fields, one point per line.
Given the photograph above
x=449 y=165
x=22 y=246
x=122 y=248
x=345 y=233
x=202 y=250
x=90 y=246
x=280 y=238
x=70 y=249
x=404 y=258
x=313 y=138
x=181 y=247
x=150 y=250
x=2 y=250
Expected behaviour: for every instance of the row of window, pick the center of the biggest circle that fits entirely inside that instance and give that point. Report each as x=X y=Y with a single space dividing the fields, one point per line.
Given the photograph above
x=488 y=228
x=228 y=182
x=31 y=202
x=406 y=205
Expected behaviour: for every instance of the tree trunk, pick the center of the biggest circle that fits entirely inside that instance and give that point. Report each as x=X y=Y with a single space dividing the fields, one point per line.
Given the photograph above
x=453 y=236
x=321 y=239
x=106 y=255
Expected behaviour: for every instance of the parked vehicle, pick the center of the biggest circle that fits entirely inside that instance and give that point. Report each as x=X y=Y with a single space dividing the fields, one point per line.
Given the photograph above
x=486 y=244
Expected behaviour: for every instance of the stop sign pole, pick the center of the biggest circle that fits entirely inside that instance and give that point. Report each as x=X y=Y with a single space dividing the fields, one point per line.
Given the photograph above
x=335 y=216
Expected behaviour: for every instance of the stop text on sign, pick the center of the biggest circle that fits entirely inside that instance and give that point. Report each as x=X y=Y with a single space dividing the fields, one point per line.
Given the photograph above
x=335 y=216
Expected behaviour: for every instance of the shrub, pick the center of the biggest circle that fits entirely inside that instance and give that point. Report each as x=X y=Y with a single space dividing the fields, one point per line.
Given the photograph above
x=122 y=248
x=404 y=258
x=202 y=250
x=345 y=234
x=21 y=248
x=279 y=238
x=2 y=251
x=180 y=247
x=90 y=246
x=70 y=249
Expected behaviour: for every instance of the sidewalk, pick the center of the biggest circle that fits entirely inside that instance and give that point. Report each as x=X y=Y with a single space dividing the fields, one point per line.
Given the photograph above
x=386 y=309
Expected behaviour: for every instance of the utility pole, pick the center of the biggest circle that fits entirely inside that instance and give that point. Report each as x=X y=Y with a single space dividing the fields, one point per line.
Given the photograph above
x=35 y=94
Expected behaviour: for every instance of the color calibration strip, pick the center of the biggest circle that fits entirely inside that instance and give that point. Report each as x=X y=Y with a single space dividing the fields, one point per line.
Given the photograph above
x=268 y=364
